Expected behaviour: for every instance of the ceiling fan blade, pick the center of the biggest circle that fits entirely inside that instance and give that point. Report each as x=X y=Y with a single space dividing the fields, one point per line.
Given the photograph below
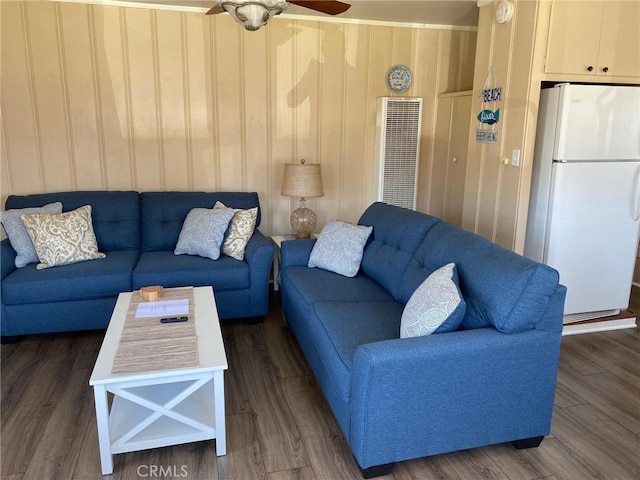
x=330 y=7
x=215 y=10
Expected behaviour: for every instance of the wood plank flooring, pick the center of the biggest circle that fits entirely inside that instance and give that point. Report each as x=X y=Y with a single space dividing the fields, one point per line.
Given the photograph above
x=279 y=426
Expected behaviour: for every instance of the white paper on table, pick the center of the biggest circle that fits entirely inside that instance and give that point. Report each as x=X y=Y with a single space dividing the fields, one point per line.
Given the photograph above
x=163 y=308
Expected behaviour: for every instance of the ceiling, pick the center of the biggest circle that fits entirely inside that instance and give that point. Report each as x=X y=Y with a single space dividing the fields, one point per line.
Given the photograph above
x=461 y=13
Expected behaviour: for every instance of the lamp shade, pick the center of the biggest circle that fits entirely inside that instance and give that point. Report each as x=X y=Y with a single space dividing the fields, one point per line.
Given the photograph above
x=302 y=180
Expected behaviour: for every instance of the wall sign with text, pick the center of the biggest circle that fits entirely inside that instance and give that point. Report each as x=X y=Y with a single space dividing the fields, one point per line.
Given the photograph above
x=489 y=115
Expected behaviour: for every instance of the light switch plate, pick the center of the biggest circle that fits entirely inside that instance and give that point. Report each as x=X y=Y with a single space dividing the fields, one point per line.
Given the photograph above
x=515 y=157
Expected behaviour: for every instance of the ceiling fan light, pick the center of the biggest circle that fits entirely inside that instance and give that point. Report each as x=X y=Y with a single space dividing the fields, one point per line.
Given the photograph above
x=253 y=14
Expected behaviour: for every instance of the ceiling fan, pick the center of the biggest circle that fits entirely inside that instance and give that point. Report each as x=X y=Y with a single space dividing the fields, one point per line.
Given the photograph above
x=253 y=14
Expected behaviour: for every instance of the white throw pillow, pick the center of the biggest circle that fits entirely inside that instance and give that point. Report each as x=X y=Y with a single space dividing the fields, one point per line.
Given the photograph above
x=435 y=307
x=202 y=232
x=18 y=236
x=62 y=238
x=340 y=247
x=240 y=230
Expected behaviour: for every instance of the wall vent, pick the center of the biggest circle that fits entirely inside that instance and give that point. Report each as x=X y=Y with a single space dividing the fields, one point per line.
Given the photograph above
x=398 y=126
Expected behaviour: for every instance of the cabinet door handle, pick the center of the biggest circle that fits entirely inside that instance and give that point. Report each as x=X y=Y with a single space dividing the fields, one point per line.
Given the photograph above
x=590 y=68
x=605 y=69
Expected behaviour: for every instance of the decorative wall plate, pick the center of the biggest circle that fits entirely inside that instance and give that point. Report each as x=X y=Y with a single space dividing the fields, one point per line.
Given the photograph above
x=399 y=78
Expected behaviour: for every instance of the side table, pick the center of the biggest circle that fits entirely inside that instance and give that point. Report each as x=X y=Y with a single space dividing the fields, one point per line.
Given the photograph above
x=277 y=240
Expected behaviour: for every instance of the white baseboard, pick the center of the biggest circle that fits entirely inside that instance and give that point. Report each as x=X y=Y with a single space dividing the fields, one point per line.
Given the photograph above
x=605 y=325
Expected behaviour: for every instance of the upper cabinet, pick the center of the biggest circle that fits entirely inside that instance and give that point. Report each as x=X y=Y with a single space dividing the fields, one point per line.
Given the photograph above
x=595 y=39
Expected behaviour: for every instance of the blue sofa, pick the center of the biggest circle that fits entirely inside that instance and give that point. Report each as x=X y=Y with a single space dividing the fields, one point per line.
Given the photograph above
x=138 y=233
x=491 y=381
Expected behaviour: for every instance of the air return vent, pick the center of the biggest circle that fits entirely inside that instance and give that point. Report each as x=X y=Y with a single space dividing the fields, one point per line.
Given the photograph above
x=397 y=150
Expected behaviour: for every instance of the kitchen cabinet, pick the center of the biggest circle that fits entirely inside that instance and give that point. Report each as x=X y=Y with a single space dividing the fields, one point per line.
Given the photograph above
x=596 y=39
x=450 y=156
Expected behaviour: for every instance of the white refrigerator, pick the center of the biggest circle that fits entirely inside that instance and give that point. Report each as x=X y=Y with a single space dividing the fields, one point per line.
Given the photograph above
x=584 y=210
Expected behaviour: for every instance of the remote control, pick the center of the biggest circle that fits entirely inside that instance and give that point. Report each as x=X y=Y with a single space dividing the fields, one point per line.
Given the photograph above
x=174 y=319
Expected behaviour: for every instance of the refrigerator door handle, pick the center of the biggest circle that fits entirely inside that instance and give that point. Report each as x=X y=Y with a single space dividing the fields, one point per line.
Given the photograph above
x=636 y=196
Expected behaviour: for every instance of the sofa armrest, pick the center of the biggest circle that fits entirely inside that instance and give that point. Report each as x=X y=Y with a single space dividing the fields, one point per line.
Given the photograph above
x=451 y=391
x=551 y=320
x=7 y=258
x=296 y=252
x=256 y=242
x=259 y=255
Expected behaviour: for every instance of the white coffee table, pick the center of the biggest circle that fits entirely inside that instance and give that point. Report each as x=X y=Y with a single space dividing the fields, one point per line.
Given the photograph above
x=164 y=406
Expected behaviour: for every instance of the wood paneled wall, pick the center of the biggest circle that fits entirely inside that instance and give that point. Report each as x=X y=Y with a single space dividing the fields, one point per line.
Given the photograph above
x=104 y=97
x=496 y=195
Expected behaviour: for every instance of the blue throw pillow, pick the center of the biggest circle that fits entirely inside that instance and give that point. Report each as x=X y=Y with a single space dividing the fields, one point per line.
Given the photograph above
x=339 y=248
x=18 y=236
x=202 y=232
x=435 y=307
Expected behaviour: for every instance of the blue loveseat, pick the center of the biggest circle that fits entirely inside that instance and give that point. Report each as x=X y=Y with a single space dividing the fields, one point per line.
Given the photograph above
x=491 y=381
x=138 y=233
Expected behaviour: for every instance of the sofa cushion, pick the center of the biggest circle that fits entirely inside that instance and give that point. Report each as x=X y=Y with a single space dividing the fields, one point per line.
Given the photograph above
x=500 y=287
x=163 y=213
x=18 y=235
x=317 y=285
x=203 y=232
x=397 y=233
x=115 y=215
x=77 y=281
x=343 y=326
x=62 y=238
x=169 y=270
x=435 y=307
x=240 y=230
x=339 y=248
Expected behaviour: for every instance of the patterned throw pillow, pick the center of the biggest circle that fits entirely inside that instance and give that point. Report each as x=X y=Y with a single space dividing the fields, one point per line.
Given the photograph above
x=339 y=247
x=240 y=230
x=202 y=232
x=435 y=307
x=18 y=236
x=62 y=238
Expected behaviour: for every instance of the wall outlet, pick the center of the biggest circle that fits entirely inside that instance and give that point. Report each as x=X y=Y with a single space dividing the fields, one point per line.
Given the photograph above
x=515 y=157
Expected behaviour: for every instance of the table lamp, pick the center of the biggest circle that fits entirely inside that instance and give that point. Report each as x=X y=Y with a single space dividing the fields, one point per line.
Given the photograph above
x=302 y=180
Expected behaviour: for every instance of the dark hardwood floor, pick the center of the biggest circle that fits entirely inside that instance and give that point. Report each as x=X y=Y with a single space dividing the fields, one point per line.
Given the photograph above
x=280 y=428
